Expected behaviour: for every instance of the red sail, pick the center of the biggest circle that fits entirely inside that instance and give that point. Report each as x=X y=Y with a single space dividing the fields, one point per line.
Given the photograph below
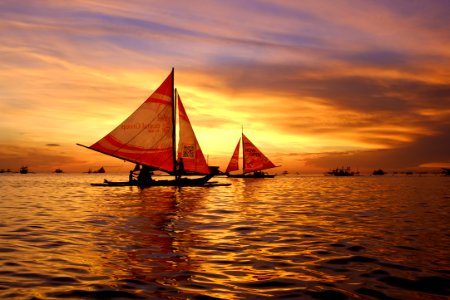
x=254 y=160
x=233 y=165
x=145 y=137
x=188 y=147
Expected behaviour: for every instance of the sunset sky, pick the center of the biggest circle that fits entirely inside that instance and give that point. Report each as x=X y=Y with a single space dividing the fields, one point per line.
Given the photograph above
x=316 y=84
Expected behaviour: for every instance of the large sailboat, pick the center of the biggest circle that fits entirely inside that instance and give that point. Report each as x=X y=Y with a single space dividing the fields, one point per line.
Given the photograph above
x=148 y=139
x=253 y=161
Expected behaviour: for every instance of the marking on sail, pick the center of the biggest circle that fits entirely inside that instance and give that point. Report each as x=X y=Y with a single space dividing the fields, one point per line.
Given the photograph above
x=188 y=151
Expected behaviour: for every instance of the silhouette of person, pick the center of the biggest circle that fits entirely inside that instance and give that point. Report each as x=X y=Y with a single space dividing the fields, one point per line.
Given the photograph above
x=181 y=166
x=130 y=177
x=145 y=176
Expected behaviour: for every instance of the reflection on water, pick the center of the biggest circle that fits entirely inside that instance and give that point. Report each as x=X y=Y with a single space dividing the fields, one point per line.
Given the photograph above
x=289 y=237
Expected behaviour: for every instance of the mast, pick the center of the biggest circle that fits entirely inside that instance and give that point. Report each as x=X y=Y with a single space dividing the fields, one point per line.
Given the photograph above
x=243 y=152
x=174 y=123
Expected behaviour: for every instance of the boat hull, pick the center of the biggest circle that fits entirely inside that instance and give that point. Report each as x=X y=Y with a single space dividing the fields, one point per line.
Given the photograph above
x=177 y=182
x=116 y=184
x=126 y=183
x=203 y=181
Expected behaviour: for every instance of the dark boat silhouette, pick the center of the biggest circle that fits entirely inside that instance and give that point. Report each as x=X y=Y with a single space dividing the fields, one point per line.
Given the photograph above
x=342 y=172
x=100 y=170
x=378 y=172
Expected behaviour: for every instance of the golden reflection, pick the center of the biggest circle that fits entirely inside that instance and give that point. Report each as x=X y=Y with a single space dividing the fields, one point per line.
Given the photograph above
x=150 y=241
x=243 y=245
x=255 y=238
x=143 y=231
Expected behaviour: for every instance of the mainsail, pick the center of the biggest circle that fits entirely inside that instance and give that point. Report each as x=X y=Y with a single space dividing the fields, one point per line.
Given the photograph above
x=254 y=159
x=147 y=136
x=188 y=147
x=233 y=165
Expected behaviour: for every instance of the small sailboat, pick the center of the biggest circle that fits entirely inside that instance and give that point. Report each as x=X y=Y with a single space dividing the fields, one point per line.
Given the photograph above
x=342 y=172
x=148 y=139
x=254 y=161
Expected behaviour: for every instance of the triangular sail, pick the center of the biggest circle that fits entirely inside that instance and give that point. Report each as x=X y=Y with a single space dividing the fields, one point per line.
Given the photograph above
x=145 y=137
x=254 y=160
x=233 y=165
x=188 y=147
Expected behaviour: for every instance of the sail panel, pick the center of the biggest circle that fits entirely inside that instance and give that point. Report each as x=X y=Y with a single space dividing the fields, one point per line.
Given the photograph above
x=145 y=137
x=233 y=165
x=188 y=147
x=254 y=159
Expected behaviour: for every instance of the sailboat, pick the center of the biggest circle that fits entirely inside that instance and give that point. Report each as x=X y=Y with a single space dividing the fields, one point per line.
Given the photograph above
x=148 y=139
x=254 y=161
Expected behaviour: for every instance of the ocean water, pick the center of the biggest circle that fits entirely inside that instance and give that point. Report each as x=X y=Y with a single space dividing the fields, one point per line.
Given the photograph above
x=291 y=237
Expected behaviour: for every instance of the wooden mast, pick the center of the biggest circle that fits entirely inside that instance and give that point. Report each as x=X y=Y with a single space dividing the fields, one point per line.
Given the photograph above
x=174 y=121
x=243 y=152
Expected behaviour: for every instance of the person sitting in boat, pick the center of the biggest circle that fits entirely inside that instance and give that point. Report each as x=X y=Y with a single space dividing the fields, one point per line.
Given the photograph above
x=179 y=170
x=180 y=167
x=133 y=177
x=145 y=176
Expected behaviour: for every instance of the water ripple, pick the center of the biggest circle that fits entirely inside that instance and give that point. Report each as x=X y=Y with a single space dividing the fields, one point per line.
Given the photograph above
x=288 y=238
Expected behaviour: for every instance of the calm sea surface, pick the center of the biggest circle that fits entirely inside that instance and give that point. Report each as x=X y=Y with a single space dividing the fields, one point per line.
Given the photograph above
x=307 y=237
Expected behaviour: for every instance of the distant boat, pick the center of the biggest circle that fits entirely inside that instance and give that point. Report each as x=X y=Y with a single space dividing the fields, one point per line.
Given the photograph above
x=446 y=171
x=59 y=171
x=342 y=172
x=23 y=170
x=378 y=172
x=101 y=170
x=254 y=161
x=148 y=138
